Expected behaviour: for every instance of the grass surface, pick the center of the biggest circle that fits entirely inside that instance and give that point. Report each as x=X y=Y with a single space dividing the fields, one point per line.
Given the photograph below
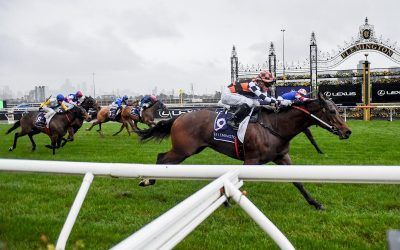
x=33 y=207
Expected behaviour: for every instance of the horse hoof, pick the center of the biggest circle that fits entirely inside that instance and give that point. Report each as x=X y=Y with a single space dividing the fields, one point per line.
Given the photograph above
x=10 y=149
x=320 y=207
x=147 y=182
x=227 y=204
x=33 y=149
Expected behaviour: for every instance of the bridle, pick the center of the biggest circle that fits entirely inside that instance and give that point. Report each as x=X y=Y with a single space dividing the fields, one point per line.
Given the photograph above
x=330 y=128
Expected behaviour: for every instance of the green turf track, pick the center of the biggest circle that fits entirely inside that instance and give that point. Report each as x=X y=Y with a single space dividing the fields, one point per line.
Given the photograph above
x=356 y=216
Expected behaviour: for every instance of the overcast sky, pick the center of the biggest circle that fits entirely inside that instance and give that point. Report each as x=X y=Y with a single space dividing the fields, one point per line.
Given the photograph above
x=135 y=46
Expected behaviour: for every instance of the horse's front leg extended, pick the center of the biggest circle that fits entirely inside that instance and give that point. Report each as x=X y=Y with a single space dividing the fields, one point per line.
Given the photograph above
x=310 y=137
x=93 y=124
x=285 y=160
x=31 y=134
x=122 y=127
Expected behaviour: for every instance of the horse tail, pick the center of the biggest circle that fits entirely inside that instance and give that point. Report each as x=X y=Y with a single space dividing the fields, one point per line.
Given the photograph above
x=16 y=125
x=160 y=131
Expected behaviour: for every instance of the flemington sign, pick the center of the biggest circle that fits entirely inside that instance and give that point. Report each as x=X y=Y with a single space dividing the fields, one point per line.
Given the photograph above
x=367 y=46
x=319 y=61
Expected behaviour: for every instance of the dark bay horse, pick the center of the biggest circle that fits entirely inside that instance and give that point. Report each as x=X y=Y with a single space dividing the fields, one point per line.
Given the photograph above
x=90 y=105
x=265 y=141
x=127 y=118
x=58 y=126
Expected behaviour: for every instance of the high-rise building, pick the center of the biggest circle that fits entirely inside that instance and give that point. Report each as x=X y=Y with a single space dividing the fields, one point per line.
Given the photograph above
x=40 y=93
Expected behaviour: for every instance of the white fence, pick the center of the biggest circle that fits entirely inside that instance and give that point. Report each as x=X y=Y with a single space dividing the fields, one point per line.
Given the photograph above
x=184 y=218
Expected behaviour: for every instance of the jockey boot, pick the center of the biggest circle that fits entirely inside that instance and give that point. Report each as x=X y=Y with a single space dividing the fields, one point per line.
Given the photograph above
x=239 y=115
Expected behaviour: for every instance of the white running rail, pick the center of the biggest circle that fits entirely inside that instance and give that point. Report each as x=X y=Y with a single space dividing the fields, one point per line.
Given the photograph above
x=200 y=205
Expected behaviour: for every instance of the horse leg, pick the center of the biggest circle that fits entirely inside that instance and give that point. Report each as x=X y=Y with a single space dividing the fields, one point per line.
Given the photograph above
x=16 y=135
x=54 y=143
x=53 y=146
x=127 y=128
x=59 y=142
x=122 y=127
x=310 y=137
x=99 y=130
x=134 y=126
x=64 y=141
x=170 y=157
x=31 y=134
x=70 y=134
x=93 y=124
x=285 y=160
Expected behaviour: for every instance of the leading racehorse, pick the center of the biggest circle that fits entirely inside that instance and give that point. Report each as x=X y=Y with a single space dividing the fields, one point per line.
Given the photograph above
x=58 y=126
x=265 y=141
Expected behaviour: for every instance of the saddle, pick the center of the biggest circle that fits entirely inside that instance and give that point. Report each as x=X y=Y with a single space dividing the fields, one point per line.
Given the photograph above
x=113 y=115
x=135 y=111
x=253 y=117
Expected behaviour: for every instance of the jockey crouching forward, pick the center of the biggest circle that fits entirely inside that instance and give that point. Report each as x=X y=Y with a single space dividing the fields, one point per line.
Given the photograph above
x=117 y=106
x=299 y=95
x=53 y=105
x=76 y=98
x=146 y=102
x=247 y=95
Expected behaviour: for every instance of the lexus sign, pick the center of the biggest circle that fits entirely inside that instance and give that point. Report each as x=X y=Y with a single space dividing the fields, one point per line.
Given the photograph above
x=344 y=94
x=385 y=93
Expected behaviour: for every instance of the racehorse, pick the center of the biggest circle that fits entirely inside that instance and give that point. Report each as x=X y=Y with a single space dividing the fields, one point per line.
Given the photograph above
x=126 y=117
x=129 y=117
x=266 y=140
x=58 y=126
x=91 y=107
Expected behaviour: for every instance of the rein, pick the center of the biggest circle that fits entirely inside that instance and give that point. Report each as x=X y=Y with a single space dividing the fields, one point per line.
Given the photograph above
x=315 y=117
x=69 y=120
x=271 y=130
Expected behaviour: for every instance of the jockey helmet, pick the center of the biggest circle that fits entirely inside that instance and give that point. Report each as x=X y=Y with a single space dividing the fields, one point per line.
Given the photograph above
x=265 y=76
x=302 y=91
x=153 y=98
x=79 y=94
x=125 y=97
x=60 y=97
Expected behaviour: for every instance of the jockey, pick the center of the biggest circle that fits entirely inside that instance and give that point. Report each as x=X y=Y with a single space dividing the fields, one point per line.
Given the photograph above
x=76 y=98
x=53 y=105
x=299 y=95
x=146 y=102
x=245 y=96
x=117 y=104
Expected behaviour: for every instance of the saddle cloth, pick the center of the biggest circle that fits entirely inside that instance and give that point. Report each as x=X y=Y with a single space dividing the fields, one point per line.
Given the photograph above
x=40 y=121
x=135 y=111
x=224 y=132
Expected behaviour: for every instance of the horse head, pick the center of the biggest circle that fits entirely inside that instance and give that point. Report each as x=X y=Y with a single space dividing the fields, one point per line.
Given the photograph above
x=91 y=106
x=159 y=105
x=80 y=113
x=329 y=116
x=89 y=102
